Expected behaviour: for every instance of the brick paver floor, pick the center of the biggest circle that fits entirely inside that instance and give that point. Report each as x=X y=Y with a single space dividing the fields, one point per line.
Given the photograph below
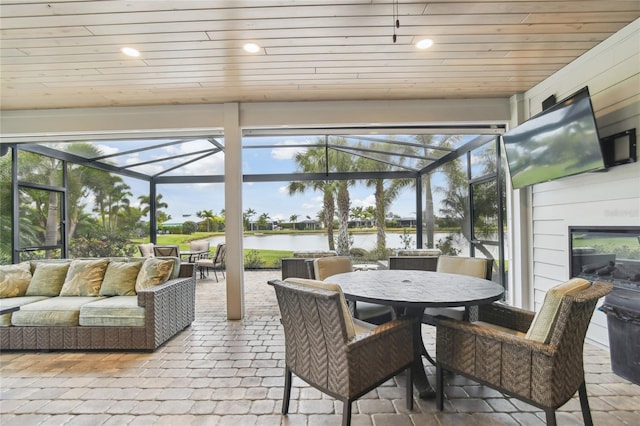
x=220 y=372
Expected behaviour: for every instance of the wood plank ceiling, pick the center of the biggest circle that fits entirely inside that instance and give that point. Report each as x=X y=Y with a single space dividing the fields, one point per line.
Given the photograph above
x=61 y=54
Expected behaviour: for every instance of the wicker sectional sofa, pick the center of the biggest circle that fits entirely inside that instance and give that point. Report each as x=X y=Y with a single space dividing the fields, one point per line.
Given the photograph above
x=101 y=304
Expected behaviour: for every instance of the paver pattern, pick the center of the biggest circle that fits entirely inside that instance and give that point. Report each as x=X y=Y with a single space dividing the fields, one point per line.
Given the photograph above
x=219 y=372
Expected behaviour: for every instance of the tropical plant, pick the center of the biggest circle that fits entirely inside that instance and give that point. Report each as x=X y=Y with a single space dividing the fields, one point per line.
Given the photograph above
x=252 y=260
x=341 y=162
x=263 y=221
x=293 y=219
x=208 y=217
x=145 y=205
x=312 y=161
x=189 y=227
x=246 y=218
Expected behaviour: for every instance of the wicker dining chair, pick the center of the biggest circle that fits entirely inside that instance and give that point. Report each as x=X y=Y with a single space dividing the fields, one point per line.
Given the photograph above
x=470 y=266
x=496 y=352
x=324 y=267
x=333 y=353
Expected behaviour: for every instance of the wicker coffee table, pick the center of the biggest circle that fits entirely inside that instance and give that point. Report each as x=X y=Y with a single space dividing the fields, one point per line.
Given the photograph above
x=410 y=292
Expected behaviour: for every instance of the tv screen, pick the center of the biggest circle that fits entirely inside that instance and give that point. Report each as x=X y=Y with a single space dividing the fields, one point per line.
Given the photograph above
x=560 y=141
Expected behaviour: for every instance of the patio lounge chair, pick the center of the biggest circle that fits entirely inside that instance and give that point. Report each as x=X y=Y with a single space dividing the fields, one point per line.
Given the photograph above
x=146 y=250
x=215 y=263
x=162 y=251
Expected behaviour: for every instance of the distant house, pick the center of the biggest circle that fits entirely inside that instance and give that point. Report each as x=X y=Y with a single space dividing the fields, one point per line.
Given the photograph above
x=359 y=223
x=309 y=225
x=407 y=222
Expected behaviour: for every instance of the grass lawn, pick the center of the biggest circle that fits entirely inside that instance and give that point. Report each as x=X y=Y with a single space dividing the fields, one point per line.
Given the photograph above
x=268 y=259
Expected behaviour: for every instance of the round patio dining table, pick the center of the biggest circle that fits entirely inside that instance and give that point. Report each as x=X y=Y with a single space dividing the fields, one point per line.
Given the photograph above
x=409 y=292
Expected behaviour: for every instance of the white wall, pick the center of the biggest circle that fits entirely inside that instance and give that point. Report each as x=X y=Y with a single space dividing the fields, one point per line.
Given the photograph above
x=612 y=72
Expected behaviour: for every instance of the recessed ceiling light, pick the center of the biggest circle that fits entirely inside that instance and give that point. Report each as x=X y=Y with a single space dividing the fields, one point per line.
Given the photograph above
x=424 y=43
x=251 y=48
x=130 y=51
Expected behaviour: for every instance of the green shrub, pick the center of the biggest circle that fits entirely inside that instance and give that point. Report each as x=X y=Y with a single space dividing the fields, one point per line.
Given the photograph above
x=94 y=247
x=252 y=260
x=189 y=227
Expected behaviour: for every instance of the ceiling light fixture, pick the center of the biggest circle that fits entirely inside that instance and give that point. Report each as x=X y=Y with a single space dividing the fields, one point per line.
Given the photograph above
x=396 y=20
x=425 y=43
x=130 y=51
x=251 y=48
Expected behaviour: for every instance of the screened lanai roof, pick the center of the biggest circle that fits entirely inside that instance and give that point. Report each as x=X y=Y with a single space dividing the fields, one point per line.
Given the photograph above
x=393 y=153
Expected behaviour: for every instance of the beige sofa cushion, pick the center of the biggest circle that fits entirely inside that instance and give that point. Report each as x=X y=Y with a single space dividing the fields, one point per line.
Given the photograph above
x=12 y=302
x=14 y=279
x=117 y=311
x=48 y=279
x=120 y=279
x=54 y=311
x=84 y=277
x=541 y=327
x=154 y=271
x=348 y=320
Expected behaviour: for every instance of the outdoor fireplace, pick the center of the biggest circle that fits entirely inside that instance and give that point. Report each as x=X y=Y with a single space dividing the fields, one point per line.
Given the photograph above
x=606 y=253
x=613 y=254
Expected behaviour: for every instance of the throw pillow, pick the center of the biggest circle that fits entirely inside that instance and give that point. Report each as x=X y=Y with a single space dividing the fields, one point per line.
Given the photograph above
x=154 y=271
x=84 y=277
x=541 y=327
x=351 y=331
x=48 y=279
x=14 y=279
x=120 y=279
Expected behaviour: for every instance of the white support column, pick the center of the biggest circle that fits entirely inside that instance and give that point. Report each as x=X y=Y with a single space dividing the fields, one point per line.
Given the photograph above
x=233 y=211
x=520 y=264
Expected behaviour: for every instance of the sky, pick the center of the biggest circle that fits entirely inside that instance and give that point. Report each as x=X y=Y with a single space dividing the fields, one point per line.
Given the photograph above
x=185 y=200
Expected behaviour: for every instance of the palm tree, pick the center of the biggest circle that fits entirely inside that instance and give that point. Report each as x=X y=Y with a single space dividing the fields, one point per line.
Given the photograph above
x=311 y=161
x=340 y=161
x=293 y=219
x=246 y=217
x=263 y=221
x=145 y=201
x=429 y=143
x=383 y=197
x=207 y=215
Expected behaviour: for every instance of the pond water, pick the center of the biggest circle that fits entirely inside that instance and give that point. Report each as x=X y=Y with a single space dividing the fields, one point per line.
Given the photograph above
x=307 y=242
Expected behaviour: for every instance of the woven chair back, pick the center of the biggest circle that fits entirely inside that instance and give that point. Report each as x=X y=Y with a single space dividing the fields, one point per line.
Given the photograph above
x=173 y=251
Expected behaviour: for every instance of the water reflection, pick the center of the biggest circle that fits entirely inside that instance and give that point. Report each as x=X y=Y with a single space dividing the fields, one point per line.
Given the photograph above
x=307 y=242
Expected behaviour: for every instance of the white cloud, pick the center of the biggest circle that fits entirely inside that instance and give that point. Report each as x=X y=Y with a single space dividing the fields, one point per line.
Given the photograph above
x=287 y=153
x=284 y=190
x=106 y=149
x=308 y=206
x=369 y=200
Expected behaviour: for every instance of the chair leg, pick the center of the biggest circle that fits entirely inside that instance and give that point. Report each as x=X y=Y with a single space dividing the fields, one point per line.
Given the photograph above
x=584 y=404
x=409 y=389
x=551 y=416
x=346 y=413
x=287 y=390
x=216 y=274
x=439 y=386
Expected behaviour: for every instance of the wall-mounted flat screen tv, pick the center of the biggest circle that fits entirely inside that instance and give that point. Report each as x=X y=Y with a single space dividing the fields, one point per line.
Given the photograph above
x=560 y=141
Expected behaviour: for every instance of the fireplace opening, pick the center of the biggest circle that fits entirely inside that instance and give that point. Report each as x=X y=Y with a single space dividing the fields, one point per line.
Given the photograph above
x=606 y=253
